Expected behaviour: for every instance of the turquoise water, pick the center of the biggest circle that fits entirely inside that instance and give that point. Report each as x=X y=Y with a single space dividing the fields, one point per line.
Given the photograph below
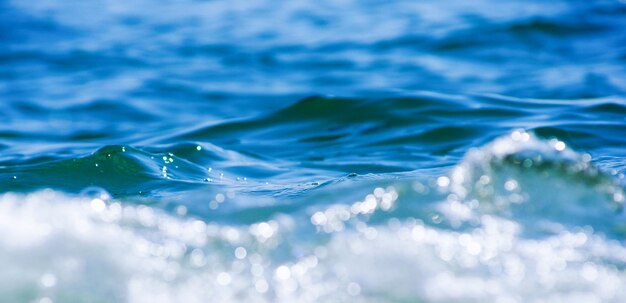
x=312 y=151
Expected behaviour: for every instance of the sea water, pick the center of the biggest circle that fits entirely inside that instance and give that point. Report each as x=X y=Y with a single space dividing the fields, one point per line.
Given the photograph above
x=312 y=151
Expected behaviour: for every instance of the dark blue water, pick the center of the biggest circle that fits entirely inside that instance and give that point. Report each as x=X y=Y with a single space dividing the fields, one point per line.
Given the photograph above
x=307 y=151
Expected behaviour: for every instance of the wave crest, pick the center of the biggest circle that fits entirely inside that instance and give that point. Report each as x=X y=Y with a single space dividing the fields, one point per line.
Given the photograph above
x=538 y=181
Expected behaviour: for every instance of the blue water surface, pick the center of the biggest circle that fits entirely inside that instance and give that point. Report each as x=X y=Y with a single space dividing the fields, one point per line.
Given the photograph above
x=307 y=151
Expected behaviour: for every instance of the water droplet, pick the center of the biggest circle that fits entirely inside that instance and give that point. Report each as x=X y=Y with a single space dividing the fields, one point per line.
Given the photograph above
x=261 y=286
x=443 y=181
x=223 y=279
x=98 y=205
x=283 y=272
x=559 y=145
x=240 y=253
x=48 y=280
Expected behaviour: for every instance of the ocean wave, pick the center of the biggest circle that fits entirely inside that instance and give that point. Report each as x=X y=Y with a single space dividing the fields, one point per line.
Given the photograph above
x=329 y=137
x=496 y=228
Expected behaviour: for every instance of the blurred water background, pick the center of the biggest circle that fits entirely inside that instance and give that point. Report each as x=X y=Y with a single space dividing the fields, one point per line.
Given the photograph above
x=312 y=151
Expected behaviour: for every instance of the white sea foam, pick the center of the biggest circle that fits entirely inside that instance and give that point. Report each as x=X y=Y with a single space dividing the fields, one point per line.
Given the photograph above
x=65 y=249
x=535 y=181
x=90 y=248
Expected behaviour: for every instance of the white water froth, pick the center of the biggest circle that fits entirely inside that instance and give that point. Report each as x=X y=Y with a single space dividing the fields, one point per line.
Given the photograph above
x=72 y=249
x=61 y=248
x=538 y=183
